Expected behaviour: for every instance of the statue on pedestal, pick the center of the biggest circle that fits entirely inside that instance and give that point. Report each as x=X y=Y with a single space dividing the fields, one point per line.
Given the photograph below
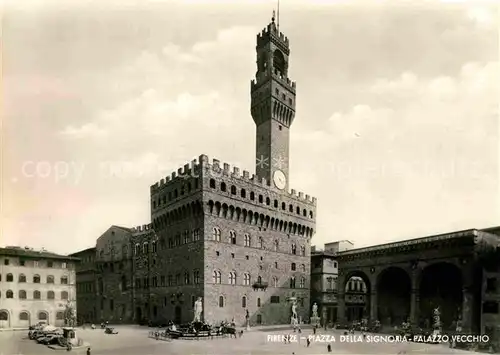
x=198 y=309
x=315 y=310
x=437 y=321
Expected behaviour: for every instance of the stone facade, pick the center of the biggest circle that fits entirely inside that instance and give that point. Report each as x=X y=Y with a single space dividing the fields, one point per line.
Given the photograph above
x=86 y=286
x=35 y=286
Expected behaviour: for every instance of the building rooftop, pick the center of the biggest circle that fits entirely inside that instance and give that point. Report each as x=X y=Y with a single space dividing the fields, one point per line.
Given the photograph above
x=88 y=250
x=28 y=252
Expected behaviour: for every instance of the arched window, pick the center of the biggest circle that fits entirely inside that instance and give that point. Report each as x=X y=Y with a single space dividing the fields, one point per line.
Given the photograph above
x=275 y=203
x=293 y=267
x=279 y=62
x=22 y=295
x=268 y=201
x=187 y=280
x=10 y=278
x=283 y=206
x=223 y=186
x=216 y=234
x=42 y=315
x=302 y=282
x=275 y=281
x=303 y=251
x=24 y=316
x=298 y=210
x=304 y=212
x=9 y=294
x=232 y=237
x=154 y=247
x=303 y=267
x=243 y=193
x=248 y=241
x=233 y=190
x=221 y=301
x=50 y=279
x=37 y=295
x=22 y=278
x=64 y=295
x=292 y=282
x=276 y=245
x=50 y=295
x=232 y=278
x=196 y=277
x=261 y=243
x=310 y=214
x=258 y=302
x=244 y=302
x=252 y=196
x=212 y=183
x=36 y=279
x=294 y=249
x=145 y=248
x=137 y=249
x=246 y=279
x=64 y=280
x=196 y=235
x=290 y=208
x=261 y=199
x=216 y=276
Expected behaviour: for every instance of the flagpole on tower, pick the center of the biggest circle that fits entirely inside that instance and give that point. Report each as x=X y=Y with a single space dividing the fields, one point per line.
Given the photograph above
x=278 y=17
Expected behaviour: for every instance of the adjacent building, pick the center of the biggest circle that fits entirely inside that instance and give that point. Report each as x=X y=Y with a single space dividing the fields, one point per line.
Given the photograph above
x=35 y=286
x=239 y=241
x=324 y=291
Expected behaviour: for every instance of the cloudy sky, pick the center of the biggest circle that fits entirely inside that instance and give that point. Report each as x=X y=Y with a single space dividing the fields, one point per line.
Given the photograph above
x=396 y=130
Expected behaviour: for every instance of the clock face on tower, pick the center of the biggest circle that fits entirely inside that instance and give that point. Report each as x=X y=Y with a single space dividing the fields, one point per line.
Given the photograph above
x=279 y=179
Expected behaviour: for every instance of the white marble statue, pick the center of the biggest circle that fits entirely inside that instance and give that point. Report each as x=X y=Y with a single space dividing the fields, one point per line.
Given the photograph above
x=294 y=309
x=198 y=308
x=315 y=310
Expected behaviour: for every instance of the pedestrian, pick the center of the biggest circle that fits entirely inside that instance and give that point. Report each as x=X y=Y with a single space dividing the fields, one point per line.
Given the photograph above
x=314 y=330
x=308 y=342
x=329 y=348
x=88 y=351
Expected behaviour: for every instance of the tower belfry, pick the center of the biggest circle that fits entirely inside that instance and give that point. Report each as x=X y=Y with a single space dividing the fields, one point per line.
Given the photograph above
x=273 y=106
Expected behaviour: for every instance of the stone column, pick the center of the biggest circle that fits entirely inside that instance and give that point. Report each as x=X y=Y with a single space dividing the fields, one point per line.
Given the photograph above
x=414 y=306
x=467 y=301
x=415 y=297
x=341 y=315
x=373 y=306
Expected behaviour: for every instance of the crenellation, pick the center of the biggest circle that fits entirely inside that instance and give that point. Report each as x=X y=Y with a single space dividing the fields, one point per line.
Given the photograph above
x=236 y=172
x=174 y=175
x=301 y=194
x=186 y=169
x=227 y=167
x=167 y=179
x=308 y=198
x=215 y=164
x=293 y=192
x=246 y=175
x=203 y=159
x=179 y=172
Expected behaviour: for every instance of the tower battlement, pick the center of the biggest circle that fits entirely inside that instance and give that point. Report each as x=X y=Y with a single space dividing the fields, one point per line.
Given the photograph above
x=285 y=81
x=221 y=169
x=187 y=171
x=142 y=228
x=271 y=32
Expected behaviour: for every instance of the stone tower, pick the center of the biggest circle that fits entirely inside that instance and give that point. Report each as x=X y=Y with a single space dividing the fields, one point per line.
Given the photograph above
x=273 y=106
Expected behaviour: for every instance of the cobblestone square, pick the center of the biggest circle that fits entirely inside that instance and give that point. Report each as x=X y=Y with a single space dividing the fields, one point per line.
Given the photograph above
x=133 y=340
